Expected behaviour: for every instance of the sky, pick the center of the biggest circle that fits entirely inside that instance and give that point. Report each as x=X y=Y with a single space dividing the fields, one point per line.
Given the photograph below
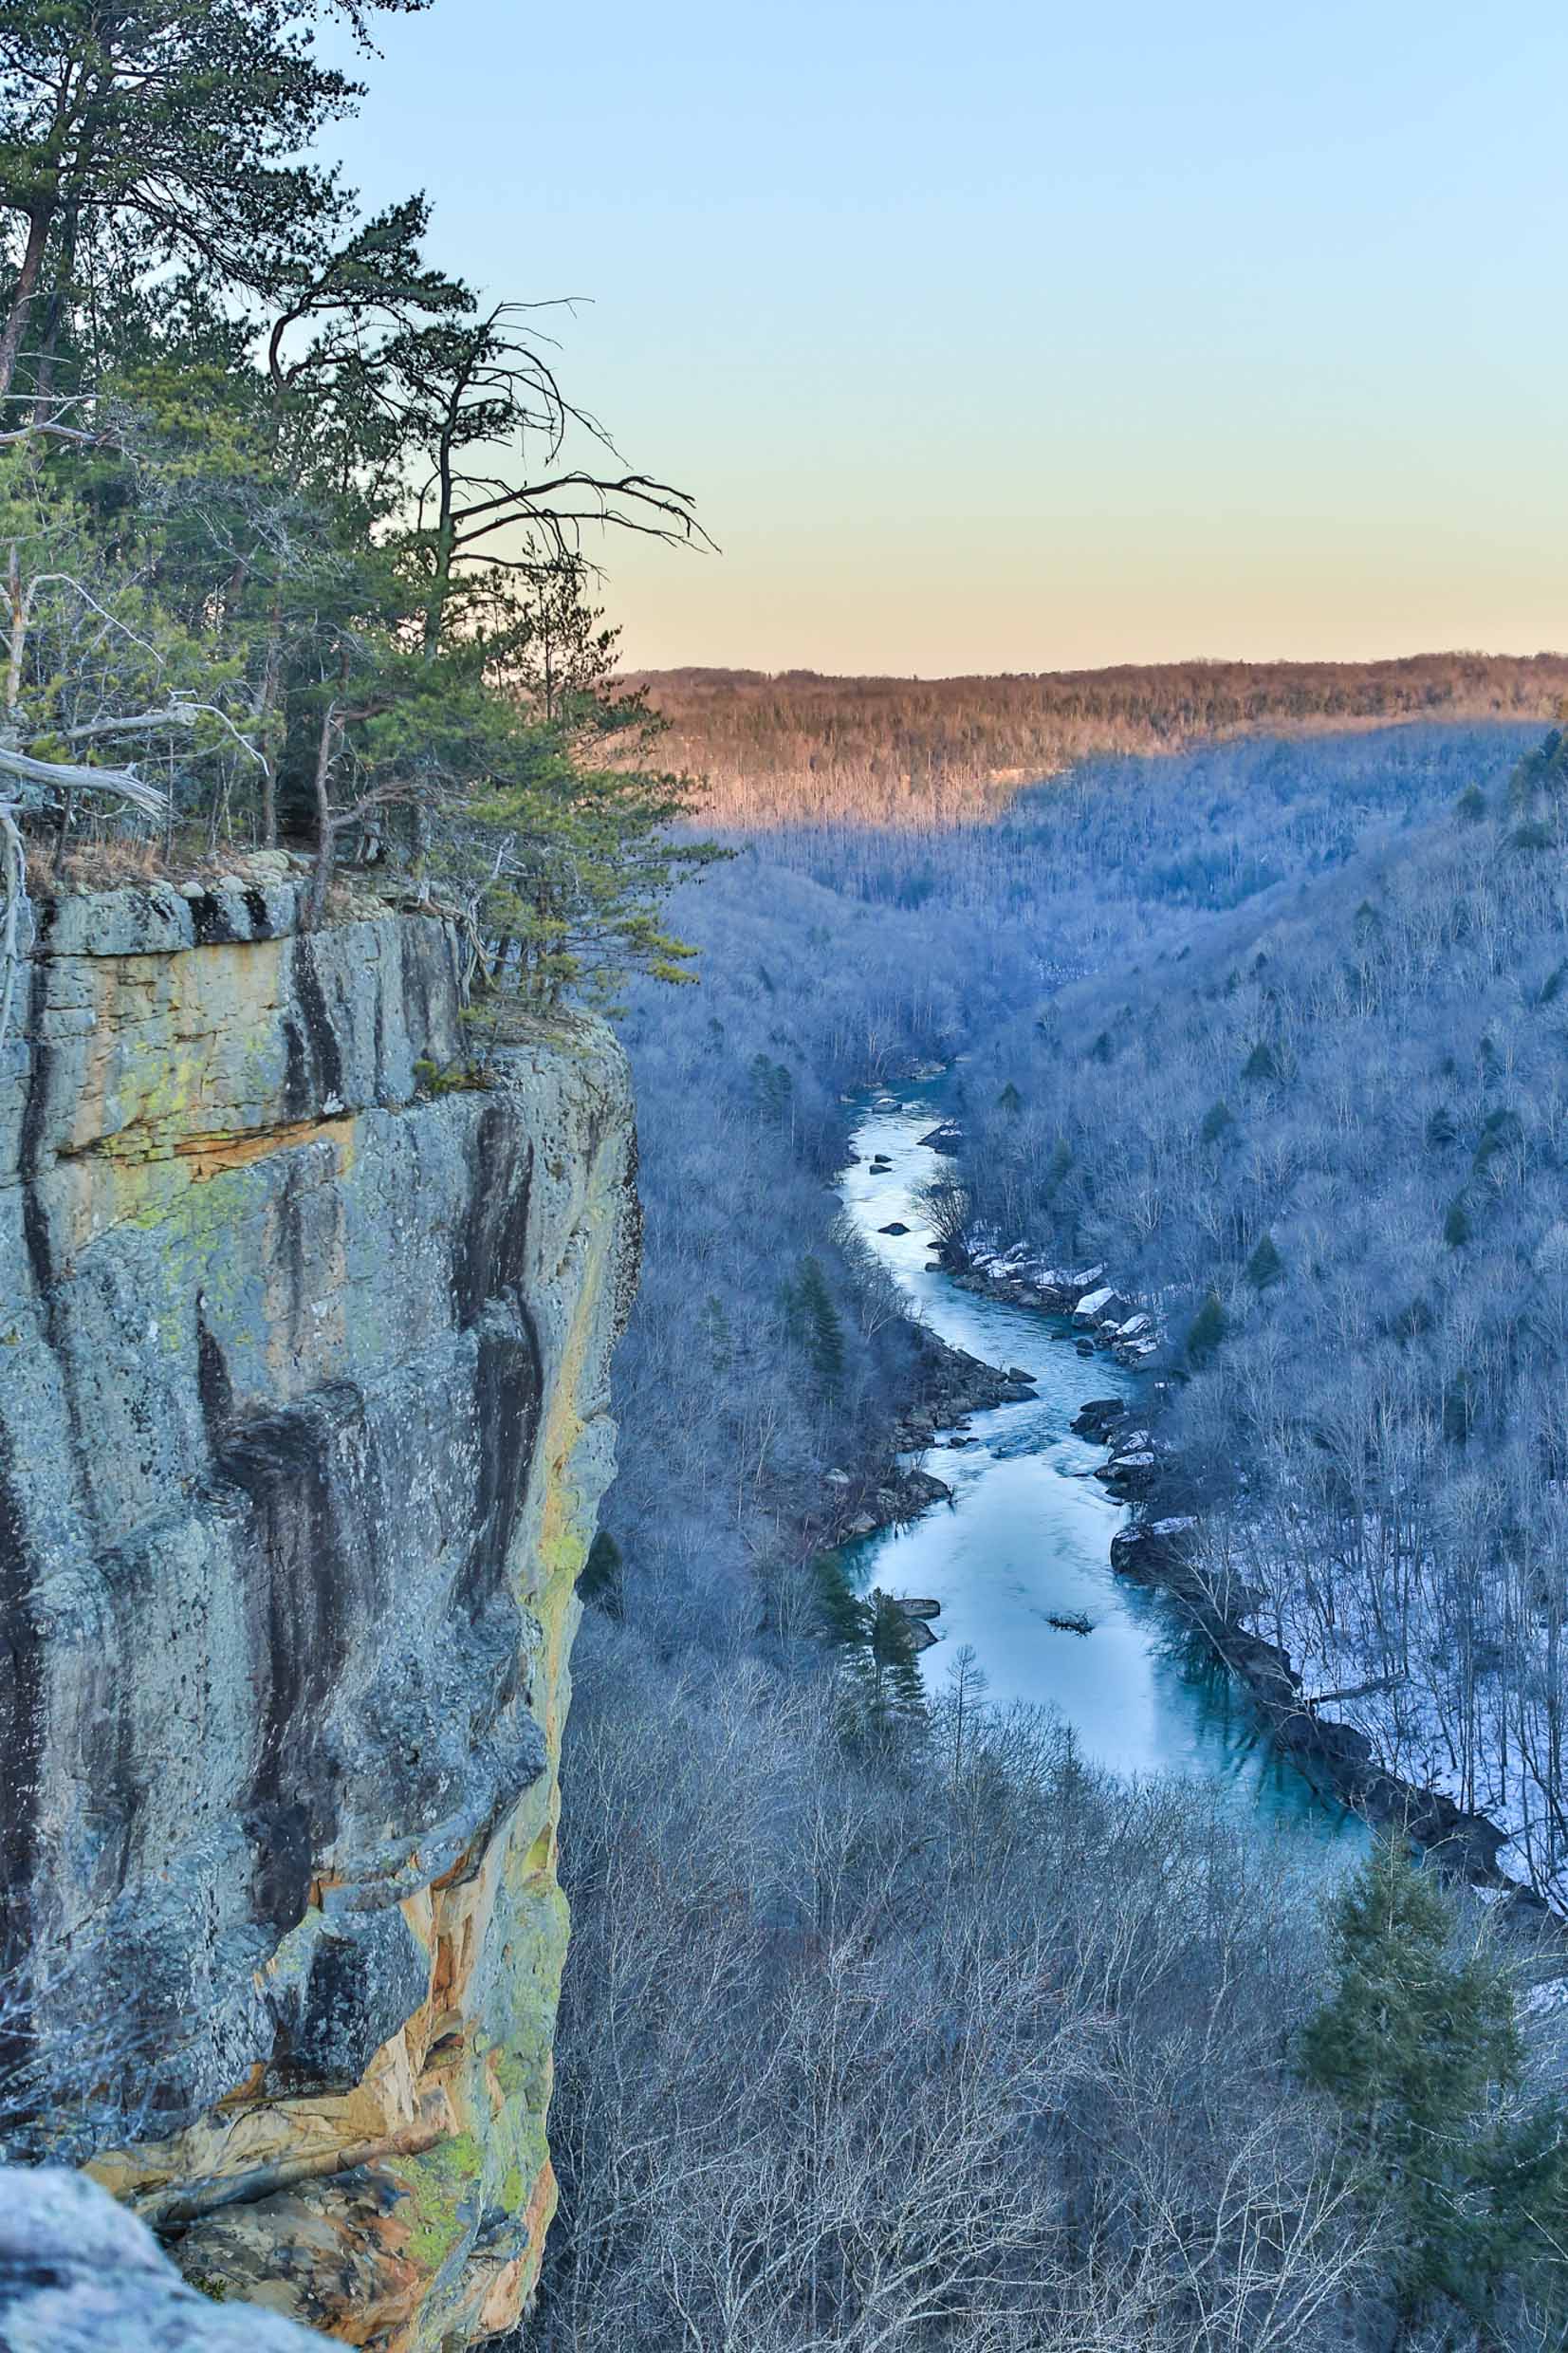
x=1026 y=338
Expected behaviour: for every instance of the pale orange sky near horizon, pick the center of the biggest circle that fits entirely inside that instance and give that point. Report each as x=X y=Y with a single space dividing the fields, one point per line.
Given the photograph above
x=1025 y=342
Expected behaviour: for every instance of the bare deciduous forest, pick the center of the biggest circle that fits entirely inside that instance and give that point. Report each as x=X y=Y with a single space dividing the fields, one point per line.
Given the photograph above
x=1337 y=1117
x=930 y=753
x=920 y=2033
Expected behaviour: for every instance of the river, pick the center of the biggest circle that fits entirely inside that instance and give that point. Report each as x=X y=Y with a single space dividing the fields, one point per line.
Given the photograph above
x=1029 y=1537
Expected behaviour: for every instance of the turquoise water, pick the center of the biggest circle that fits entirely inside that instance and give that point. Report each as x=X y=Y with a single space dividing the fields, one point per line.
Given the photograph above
x=1029 y=1537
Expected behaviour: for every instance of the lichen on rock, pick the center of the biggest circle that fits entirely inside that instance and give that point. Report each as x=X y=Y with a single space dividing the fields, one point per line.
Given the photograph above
x=303 y=1423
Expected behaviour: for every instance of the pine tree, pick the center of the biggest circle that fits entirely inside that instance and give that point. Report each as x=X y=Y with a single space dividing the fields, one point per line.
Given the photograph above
x=1209 y=1328
x=1419 y=2050
x=772 y=1089
x=721 y=1336
x=1058 y=1168
x=840 y=1613
x=815 y=1322
x=1460 y=1405
x=1265 y=1266
x=893 y=1694
x=162 y=135
x=880 y=1685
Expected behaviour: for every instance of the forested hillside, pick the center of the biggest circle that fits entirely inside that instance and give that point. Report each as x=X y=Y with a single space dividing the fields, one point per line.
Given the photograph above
x=931 y=752
x=897 y=1945
x=834 y=958
x=765 y=1348
x=1327 y=1134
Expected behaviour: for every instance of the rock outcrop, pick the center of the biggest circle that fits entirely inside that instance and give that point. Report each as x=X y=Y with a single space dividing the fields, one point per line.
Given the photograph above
x=1098 y=1313
x=304 y=1389
x=79 y=2275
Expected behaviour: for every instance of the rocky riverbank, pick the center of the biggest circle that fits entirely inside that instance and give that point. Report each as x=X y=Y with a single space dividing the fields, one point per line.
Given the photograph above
x=1104 y=1320
x=951 y=1385
x=1164 y=1551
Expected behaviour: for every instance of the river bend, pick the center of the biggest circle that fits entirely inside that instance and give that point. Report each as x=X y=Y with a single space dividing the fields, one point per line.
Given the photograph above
x=1029 y=1537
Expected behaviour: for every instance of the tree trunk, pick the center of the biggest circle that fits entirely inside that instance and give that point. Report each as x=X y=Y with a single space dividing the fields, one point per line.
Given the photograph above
x=17 y=635
x=23 y=294
x=43 y=386
x=321 y=878
x=265 y=707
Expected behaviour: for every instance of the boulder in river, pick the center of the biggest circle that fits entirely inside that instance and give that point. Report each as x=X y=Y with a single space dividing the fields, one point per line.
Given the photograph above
x=1097 y=1416
x=1156 y=1552
x=1128 y=1476
x=895 y=1227
x=944 y=1139
x=1102 y=1308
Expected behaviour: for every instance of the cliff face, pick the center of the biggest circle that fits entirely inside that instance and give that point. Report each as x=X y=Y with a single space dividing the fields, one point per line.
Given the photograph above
x=303 y=1376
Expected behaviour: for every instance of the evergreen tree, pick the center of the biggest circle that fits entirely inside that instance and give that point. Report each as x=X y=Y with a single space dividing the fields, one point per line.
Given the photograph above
x=891 y=1697
x=881 y=1686
x=1418 y=2047
x=1461 y=1405
x=261 y=532
x=772 y=1089
x=1058 y=1168
x=1265 y=1266
x=1207 y=1329
x=814 y=1321
x=840 y=1612
x=170 y=132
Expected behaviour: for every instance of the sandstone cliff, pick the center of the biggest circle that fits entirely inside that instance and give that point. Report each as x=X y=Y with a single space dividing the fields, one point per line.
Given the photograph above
x=304 y=1373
